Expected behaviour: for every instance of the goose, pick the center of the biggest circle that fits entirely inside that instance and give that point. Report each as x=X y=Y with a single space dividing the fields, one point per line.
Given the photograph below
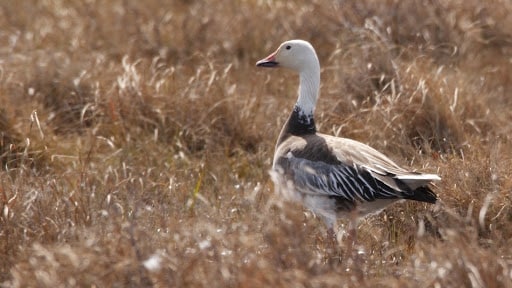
x=334 y=177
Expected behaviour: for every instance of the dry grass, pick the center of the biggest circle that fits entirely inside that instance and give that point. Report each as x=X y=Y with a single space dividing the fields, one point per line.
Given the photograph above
x=136 y=136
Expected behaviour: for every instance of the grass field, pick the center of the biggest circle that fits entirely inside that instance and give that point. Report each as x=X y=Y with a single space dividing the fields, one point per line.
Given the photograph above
x=136 y=139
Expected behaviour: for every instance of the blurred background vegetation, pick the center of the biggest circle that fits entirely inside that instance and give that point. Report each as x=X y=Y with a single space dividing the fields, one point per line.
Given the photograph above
x=136 y=136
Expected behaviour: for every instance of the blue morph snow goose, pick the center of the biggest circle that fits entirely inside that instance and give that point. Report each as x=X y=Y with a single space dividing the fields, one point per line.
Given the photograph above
x=334 y=177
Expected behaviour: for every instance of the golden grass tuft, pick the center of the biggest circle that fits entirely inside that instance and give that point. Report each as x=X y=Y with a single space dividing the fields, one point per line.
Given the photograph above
x=9 y=140
x=136 y=139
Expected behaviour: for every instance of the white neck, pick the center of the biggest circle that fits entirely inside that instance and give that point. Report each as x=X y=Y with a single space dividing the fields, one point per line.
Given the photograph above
x=308 y=89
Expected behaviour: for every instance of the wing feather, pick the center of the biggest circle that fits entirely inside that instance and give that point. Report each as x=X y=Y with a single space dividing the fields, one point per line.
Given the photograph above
x=350 y=183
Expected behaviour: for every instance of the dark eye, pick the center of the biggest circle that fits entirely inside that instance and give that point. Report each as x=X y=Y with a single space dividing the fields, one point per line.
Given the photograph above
x=288 y=47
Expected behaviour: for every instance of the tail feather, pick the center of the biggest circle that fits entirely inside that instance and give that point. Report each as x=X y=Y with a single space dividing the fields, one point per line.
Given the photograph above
x=415 y=181
x=418 y=177
x=422 y=194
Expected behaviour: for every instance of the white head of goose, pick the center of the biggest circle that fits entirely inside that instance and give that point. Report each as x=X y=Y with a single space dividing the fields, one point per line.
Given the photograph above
x=333 y=176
